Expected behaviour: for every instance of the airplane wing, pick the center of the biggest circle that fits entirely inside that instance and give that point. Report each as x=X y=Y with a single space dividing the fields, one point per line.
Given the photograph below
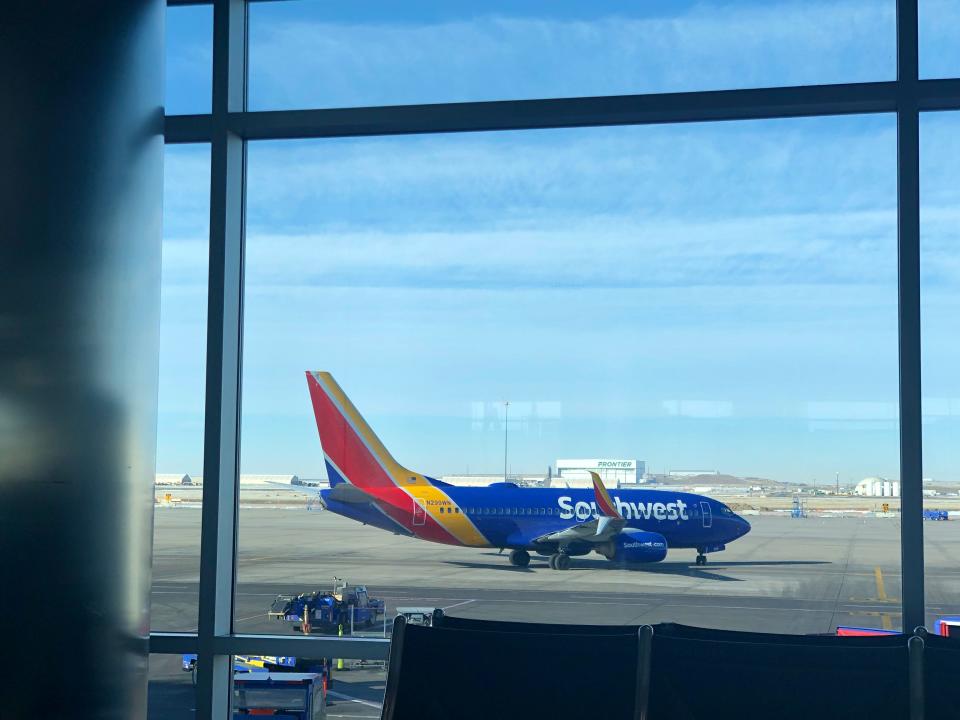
x=344 y=492
x=606 y=525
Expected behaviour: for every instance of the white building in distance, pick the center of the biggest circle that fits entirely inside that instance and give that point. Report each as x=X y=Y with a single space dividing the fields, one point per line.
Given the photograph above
x=245 y=480
x=877 y=487
x=614 y=473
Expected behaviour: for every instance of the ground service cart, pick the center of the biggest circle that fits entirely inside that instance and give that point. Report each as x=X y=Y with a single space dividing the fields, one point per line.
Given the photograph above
x=347 y=608
x=295 y=696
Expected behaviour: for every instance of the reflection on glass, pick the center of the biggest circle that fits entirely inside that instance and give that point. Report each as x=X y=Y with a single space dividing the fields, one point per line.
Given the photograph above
x=702 y=309
x=189 y=71
x=183 y=317
x=940 y=295
x=170 y=691
x=307 y=54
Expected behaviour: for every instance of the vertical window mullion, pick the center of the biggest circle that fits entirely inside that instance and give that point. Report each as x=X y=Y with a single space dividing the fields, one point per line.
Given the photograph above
x=908 y=290
x=224 y=348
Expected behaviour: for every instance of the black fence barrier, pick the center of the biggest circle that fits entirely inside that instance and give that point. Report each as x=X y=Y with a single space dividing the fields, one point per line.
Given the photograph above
x=698 y=673
x=487 y=669
x=441 y=673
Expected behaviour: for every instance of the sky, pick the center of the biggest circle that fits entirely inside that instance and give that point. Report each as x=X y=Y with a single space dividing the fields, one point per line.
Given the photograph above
x=703 y=296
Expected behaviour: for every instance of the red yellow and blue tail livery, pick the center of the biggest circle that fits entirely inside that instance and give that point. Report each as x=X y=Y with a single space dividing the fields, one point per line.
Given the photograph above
x=629 y=526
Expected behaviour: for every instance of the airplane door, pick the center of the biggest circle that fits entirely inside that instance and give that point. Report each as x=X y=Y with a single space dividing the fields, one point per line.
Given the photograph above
x=706 y=514
x=419 y=512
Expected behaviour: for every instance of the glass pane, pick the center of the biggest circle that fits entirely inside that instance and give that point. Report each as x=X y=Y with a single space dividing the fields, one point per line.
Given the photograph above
x=170 y=692
x=183 y=337
x=939 y=49
x=189 y=59
x=323 y=54
x=704 y=315
x=940 y=266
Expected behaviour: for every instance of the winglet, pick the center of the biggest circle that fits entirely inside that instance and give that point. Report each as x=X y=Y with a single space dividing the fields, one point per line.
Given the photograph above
x=605 y=504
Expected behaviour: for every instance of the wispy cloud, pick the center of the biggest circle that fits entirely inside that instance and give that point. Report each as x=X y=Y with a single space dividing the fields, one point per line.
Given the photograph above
x=590 y=252
x=301 y=57
x=475 y=180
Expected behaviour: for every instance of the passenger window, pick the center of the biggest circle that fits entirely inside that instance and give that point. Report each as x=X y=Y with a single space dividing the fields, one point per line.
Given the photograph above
x=457 y=510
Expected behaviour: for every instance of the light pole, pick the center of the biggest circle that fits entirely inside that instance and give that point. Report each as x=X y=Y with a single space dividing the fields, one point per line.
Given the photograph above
x=506 y=425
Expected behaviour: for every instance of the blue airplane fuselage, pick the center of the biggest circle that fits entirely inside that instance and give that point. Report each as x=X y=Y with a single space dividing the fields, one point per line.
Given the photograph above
x=509 y=516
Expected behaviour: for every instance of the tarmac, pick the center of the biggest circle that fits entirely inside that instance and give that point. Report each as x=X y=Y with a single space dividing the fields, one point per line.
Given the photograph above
x=787 y=575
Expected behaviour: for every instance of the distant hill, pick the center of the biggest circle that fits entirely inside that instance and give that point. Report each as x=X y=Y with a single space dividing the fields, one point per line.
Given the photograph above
x=723 y=479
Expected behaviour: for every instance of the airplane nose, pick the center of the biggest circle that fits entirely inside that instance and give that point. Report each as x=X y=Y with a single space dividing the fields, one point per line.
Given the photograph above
x=744 y=526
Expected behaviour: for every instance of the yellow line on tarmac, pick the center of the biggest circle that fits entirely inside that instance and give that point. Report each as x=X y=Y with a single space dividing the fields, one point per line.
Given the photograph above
x=878 y=576
x=882 y=596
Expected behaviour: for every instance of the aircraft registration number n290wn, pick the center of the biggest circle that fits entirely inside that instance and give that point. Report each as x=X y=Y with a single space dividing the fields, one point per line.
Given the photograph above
x=629 y=526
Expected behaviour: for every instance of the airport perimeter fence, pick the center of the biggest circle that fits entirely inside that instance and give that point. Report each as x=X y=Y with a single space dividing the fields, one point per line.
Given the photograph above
x=663 y=671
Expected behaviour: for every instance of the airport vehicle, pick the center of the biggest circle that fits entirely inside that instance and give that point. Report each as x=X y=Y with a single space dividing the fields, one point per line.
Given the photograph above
x=629 y=526
x=850 y=631
x=936 y=515
x=296 y=696
x=947 y=626
x=244 y=663
x=346 y=608
x=419 y=615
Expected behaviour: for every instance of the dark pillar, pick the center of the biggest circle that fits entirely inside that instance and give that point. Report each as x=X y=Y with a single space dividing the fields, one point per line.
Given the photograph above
x=81 y=163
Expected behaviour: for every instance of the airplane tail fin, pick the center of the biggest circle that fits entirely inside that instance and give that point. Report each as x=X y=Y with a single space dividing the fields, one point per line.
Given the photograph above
x=333 y=476
x=352 y=451
x=605 y=504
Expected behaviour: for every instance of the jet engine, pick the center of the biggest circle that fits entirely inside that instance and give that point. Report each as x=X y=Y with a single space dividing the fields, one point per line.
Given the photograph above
x=635 y=546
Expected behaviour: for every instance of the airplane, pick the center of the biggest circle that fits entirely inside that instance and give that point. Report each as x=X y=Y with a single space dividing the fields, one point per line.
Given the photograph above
x=630 y=526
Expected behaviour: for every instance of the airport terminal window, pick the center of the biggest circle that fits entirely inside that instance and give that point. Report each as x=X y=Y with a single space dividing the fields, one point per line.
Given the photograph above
x=189 y=68
x=170 y=690
x=939 y=50
x=775 y=365
x=183 y=317
x=746 y=269
x=309 y=54
x=940 y=260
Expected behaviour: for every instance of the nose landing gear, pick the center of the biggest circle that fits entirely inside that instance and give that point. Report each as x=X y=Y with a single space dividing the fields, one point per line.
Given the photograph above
x=701 y=557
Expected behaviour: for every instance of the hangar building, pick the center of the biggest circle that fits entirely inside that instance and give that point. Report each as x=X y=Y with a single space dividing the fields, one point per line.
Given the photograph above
x=877 y=487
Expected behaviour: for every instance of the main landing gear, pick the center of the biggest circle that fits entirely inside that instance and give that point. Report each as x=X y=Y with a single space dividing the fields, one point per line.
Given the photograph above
x=701 y=558
x=519 y=558
x=560 y=561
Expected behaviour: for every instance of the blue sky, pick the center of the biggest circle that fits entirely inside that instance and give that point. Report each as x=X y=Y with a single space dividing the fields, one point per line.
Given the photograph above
x=717 y=296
